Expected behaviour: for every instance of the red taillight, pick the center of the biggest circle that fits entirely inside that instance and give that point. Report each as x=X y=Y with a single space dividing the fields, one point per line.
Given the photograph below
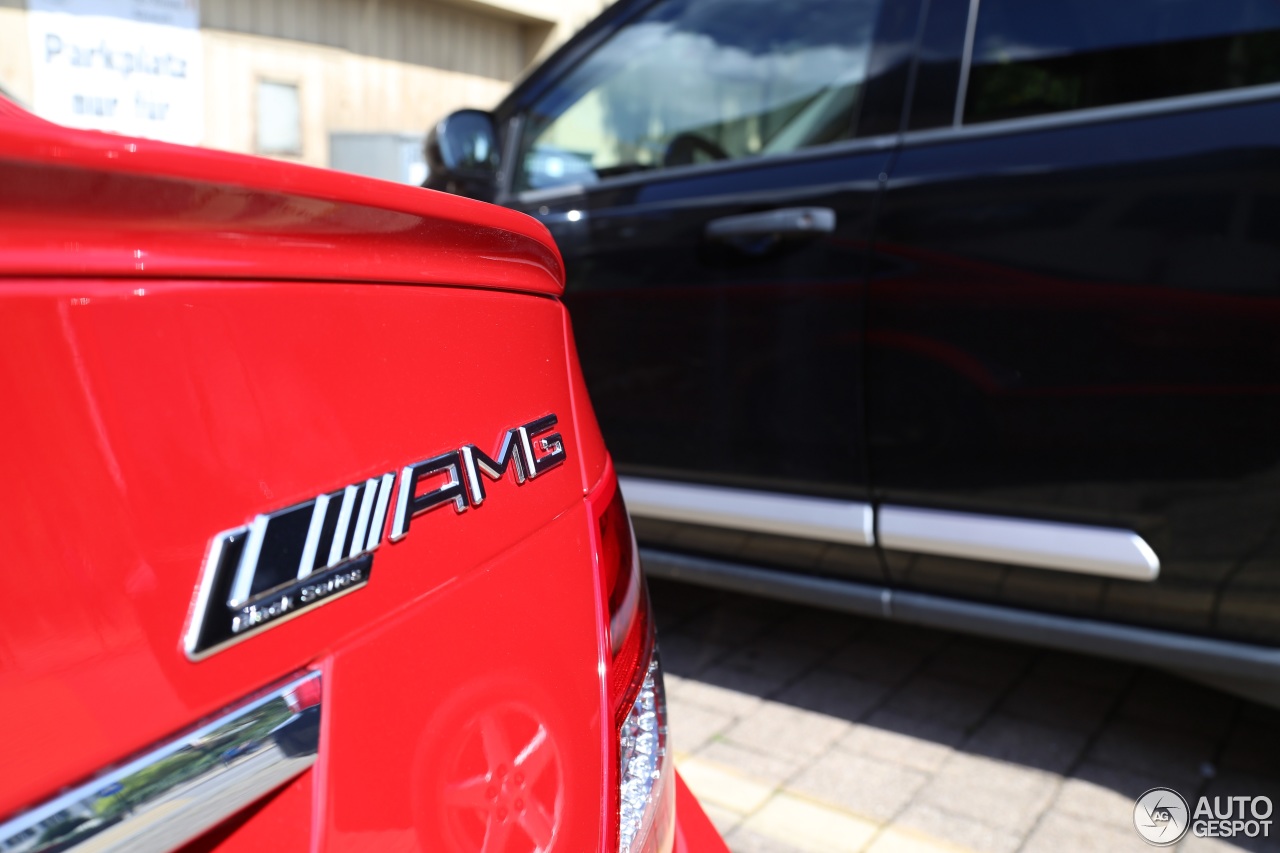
x=640 y=783
x=305 y=695
x=630 y=630
x=619 y=566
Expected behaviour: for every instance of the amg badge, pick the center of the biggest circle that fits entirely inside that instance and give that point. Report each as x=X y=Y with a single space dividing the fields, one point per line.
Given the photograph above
x=287 y=561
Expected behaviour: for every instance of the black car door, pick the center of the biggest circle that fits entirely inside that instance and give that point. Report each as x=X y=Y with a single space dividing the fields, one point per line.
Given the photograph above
x=710 y=170
x=1074 y=329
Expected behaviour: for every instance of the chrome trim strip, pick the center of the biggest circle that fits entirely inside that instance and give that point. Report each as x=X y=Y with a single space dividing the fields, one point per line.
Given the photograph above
x=344 y=522
x=848 y=522
x=312 y=543
x=181 y=788
x=1092 y=115
x=242 y=585
x=361 y=535
x=380 y=512
x=1106 y=551
x=966 y=62
x=1151 y=646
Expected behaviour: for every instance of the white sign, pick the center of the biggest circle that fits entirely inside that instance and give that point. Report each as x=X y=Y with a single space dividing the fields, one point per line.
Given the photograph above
x=128 y=66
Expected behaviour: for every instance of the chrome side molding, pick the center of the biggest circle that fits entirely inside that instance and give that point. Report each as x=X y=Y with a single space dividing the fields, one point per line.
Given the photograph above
x=847 y=522
x=1150 y=646
x=185 y=786
x=1085 y=549
x=1105 y=551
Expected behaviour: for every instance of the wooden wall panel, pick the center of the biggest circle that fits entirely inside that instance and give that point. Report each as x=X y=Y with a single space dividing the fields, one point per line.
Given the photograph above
x=438 y=35
x=15 y=53
x=338 y=90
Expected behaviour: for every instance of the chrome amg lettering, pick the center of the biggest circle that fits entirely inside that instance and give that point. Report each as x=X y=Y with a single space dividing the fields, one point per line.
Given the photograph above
x=467 y=467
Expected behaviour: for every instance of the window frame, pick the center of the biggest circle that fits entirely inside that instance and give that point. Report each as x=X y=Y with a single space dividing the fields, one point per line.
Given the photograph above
x=1085 y=115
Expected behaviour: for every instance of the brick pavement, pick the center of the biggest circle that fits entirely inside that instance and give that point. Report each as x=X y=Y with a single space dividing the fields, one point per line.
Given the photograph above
x=806 y=730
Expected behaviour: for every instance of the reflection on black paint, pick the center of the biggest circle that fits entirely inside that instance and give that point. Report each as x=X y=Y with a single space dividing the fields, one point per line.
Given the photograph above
x=1057 y=336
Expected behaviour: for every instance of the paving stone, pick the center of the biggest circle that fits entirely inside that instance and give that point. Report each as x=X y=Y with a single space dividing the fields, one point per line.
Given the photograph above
x=781 y=729
x=1026 y=743
x=1234 y=844
x=902 y=841
x=762 y=766
x=993 y=792
x=1252 y=746
x=726 y=691
x=677 y=603
x=925 y=709
x=1158 y=700
x=810 y=826
x=682 y=594
x=724 y=820
x=1191 y=844
x=825 y=631
x=1105 y=795
x=981 y=662
x=1261 y=843
x=1234 y=783
x=908 y=741
x=693 y=725
x=688 y=656
x=674 y=683
x=868 y=787
x=957 y=829
x=729 y=624
x=899 y=634
x=744 y=840
x=875 y=660
x=944 y=702
x=723 y=786
x=1065 y=704
x=1058 y=832
x=833 y=694
x=1083 y=670
x=773 y=658
x=1151 y=751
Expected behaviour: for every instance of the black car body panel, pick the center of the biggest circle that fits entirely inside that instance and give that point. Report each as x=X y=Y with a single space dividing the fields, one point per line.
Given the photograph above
x=1047 y=304
x=1083 y=326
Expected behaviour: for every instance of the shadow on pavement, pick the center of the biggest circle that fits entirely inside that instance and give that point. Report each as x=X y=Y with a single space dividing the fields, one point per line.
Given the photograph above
x=981 y=744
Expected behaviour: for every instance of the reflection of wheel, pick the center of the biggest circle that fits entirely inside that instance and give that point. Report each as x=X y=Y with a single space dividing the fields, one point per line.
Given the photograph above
x=683 y=146
x=504 y=789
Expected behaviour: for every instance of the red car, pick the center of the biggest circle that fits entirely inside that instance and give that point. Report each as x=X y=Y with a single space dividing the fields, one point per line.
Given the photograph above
x=232 y=389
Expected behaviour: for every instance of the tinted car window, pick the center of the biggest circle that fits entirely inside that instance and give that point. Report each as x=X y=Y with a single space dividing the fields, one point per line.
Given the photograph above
x=695 y=81
x=1054 y=55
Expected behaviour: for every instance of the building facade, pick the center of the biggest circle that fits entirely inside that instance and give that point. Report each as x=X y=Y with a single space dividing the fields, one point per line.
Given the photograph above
x=295 y=79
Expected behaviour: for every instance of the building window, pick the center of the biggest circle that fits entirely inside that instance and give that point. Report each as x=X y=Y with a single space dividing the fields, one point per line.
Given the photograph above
x=279 y=118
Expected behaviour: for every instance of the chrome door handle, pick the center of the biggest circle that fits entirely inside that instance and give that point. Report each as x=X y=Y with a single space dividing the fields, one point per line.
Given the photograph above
x=784 y=221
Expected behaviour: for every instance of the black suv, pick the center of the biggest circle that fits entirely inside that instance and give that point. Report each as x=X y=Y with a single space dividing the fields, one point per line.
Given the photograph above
x=959 y=313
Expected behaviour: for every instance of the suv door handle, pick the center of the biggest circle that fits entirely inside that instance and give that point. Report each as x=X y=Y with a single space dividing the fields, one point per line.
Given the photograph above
x=780 y=222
